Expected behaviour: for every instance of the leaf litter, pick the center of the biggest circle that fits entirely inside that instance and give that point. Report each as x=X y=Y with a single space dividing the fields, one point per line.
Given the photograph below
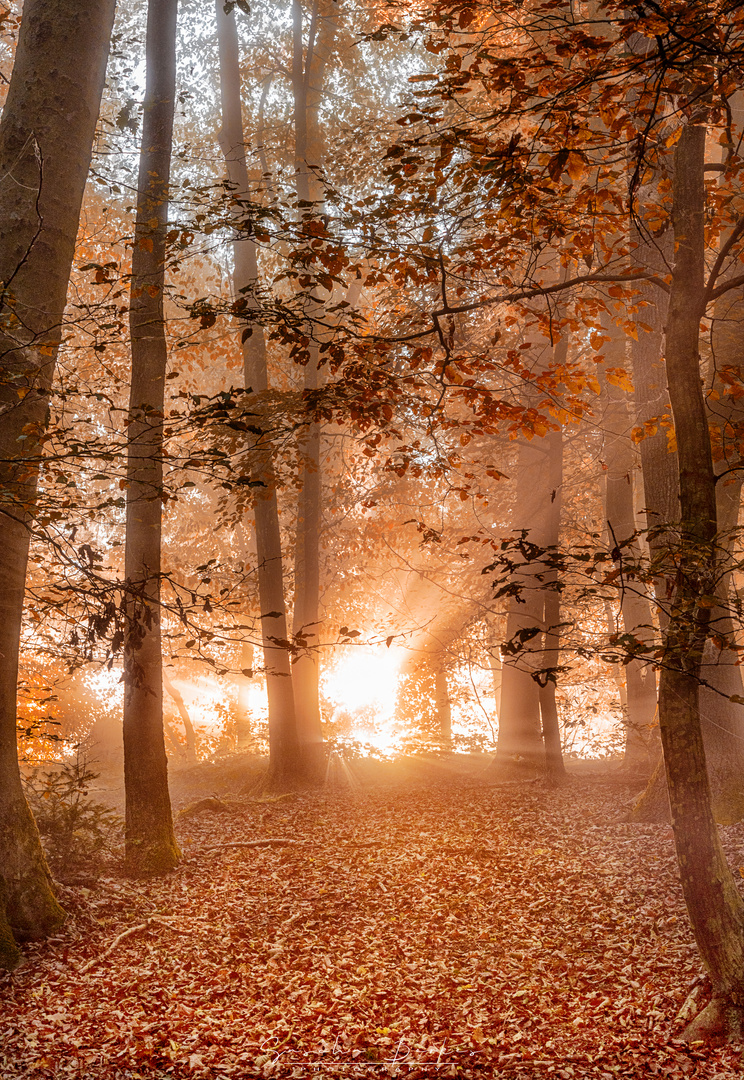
x=436 y=927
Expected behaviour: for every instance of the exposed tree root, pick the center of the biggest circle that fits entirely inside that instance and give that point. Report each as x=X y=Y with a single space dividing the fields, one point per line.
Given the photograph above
x=276 y=841
x=719 y=1022
x=212 y=804
x=130 y=933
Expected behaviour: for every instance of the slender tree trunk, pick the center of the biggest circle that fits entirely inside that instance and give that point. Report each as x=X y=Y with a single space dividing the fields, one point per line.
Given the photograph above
x=520 y=740
x=554 y=767
x=46 y=136
x=285 y=762
x=723 y=719
x=715 y=907
x=183 y=712
x=307 y=79
x=444 y=708
x=150 y=841
x=520 y=733
x=494 y=661
x=243 y=719
x=641 y=749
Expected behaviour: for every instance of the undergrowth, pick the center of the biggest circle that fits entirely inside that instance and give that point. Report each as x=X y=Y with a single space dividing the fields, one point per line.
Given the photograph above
x=78 y=833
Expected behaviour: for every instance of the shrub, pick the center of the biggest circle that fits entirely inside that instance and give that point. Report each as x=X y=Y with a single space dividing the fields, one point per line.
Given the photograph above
x=77 y=833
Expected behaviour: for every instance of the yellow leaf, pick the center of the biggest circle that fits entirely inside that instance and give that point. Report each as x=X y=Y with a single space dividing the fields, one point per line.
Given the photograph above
x=619 y=377
x=575 y=166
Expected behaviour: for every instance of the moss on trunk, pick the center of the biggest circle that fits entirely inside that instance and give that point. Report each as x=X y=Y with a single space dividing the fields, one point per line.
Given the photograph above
x=30 y=904
x=10 y=954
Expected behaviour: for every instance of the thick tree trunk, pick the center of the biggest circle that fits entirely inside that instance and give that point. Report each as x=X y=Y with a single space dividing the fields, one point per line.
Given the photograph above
x=285 y=760
x=150 y=841
x=46 y=136
x=715 y=907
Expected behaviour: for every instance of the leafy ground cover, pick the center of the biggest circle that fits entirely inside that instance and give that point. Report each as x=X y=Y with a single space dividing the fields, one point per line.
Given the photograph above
x=431 y=923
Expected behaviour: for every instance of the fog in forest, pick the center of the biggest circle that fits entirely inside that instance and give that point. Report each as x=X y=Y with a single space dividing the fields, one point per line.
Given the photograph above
x=371 y=460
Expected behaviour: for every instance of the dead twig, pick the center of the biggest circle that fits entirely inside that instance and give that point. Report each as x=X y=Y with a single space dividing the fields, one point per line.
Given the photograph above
x=276 y=841
x=129 y=933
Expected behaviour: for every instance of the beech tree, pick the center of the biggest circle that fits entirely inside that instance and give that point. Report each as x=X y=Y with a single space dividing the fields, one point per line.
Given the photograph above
x=46 y=137
x=285 y=762
x=150 y=841
x=713 y=901
x=547 y=186
x=550 y=179
x=309 y=62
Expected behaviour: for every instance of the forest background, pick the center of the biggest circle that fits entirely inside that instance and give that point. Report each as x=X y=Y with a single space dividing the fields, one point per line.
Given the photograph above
x=390 y=348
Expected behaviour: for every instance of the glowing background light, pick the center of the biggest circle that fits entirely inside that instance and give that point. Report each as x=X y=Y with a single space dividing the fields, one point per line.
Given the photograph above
x=361 y=692
x=364 y=678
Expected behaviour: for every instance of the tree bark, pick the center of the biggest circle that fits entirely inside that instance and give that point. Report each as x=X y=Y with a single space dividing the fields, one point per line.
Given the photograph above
x=285 y=761
x=551 y=732
x=715 y=907
x=520 y=739
x=307 y=80
x=641 y=748
x=444 y=708
x=183 y=712
x=243 y=717
x=723 y=720
x=46 y=137
x=150 y=843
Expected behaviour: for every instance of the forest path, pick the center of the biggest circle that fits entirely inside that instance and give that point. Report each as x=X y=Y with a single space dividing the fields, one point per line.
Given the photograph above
x=440 y=928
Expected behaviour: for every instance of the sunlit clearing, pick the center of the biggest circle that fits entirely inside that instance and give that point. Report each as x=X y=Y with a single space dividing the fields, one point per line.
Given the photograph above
x=361 y=691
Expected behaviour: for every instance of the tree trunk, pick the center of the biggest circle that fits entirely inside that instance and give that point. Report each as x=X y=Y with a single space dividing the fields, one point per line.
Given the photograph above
x=715 y=907
x=307 y=81
x=520 y=739
x=520 y=733
x=243 y=718
x=494 y=662
x=183 y=712
x=723 y=720
x=641 y=748
x=444 y=708
x=150 y=842
x=551 y=732
x=46 y=137
x=285 y=762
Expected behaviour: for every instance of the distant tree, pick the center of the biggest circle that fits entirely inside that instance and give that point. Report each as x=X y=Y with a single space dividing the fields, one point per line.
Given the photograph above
x=526 y=711
x=46 y=137
x=309 y=64
x=285 y=760
x=621 y=473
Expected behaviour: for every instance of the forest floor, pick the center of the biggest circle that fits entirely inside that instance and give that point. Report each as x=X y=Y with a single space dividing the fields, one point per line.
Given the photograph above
x=426 y=922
